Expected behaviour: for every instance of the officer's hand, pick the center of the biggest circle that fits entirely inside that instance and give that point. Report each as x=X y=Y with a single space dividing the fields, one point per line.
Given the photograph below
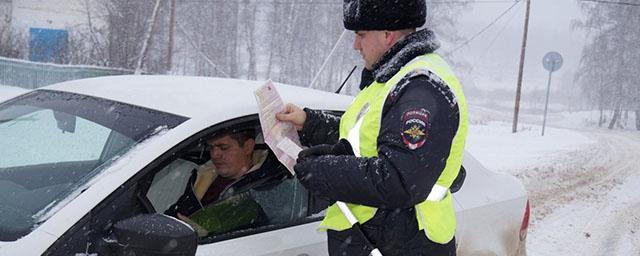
x=319 y=150
x=308 y=171
x=303 y=164
x=294 y=115
x=305 y=157
x=343 y=147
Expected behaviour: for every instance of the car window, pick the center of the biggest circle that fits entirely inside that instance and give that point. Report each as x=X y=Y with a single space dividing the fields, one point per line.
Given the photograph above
x=282 y=202
x=245 y=205
x=170 y=183
x=52 y=143
x=88 y=137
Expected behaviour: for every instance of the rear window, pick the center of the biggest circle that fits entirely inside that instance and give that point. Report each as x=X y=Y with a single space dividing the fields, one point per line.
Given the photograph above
x=52 y=143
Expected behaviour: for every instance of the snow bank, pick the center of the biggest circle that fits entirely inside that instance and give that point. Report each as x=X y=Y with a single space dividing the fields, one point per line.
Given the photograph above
x=499 y=149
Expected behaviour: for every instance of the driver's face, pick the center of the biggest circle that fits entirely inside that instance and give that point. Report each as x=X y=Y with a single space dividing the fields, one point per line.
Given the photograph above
x=230 y=158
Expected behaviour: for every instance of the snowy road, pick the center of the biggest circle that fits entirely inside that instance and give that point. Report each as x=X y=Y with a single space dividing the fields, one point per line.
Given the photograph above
x=583 y=183
x=587 y=201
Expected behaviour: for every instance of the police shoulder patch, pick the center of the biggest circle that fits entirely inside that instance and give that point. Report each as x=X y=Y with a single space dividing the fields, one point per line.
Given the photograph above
x=415 y=127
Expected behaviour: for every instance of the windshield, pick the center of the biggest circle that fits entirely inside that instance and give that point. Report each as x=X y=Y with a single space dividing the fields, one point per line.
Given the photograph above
x=51 y=143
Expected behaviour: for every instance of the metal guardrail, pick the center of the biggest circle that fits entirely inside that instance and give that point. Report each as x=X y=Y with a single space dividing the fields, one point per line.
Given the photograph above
x=31 y=75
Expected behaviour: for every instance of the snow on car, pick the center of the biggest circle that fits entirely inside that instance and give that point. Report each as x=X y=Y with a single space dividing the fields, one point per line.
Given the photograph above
x=89 y=166
x=8 y=92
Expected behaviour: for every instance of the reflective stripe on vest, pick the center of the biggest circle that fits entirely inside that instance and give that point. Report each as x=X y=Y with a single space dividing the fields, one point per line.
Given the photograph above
x=360 y=124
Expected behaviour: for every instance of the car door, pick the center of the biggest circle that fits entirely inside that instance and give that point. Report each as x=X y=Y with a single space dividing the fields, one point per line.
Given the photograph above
x=292 y=229
x=292 y=225
x=295 y=239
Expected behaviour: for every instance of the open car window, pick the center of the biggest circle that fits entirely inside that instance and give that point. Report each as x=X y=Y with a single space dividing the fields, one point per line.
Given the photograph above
x=261 y=200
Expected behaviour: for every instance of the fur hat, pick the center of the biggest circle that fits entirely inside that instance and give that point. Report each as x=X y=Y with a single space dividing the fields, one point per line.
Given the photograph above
x=384 y=14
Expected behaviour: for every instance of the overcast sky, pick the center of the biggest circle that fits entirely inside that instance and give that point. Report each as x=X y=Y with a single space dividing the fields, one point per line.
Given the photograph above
x=550 y=29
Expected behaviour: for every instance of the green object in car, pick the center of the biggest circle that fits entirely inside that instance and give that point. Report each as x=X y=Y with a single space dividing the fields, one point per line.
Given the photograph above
x=229 y=214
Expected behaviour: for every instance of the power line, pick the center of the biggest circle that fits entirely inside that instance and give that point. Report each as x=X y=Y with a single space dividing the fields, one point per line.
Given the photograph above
x=484 y=53
x=611 y=2
x=484 y=29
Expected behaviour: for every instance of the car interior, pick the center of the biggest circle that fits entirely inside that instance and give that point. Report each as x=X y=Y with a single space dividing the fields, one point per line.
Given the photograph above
x=280 y=196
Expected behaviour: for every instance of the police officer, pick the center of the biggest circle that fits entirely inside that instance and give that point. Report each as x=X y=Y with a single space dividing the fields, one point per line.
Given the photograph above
x=394 y=153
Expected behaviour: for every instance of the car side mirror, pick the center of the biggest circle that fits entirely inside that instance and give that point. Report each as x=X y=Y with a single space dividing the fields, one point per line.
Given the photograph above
x=65 y=122
x=154 y=234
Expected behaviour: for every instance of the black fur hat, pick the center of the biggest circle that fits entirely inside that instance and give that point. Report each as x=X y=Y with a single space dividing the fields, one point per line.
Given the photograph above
x=384 y=14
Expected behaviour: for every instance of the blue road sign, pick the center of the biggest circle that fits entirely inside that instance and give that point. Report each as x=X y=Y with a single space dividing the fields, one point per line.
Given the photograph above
x=47 y=45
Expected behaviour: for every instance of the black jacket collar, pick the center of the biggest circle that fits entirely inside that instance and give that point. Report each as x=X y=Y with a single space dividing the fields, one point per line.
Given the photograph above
x=416 y=44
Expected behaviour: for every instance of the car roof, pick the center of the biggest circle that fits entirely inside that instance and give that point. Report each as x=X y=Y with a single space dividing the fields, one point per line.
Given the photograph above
x=194 y=96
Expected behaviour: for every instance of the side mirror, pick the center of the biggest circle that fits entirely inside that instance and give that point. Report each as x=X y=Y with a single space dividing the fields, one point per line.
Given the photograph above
x=65 y=122
x=154 y=234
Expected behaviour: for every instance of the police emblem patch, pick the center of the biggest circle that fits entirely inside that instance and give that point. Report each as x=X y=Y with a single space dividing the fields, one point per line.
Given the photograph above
x=415 y=128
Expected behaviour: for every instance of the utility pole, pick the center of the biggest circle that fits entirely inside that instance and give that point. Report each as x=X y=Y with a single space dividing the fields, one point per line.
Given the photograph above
x=172 y=26
x=521 y=69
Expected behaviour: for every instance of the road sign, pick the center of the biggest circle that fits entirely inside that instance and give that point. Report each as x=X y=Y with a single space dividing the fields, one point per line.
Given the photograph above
x=552 y=61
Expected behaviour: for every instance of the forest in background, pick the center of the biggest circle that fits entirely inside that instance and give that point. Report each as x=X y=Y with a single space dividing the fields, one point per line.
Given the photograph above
x=283 y=40
x=610 y=64
x=288 y=41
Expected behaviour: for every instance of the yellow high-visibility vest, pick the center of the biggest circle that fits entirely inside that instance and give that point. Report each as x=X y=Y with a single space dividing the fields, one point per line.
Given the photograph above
x=360 y=125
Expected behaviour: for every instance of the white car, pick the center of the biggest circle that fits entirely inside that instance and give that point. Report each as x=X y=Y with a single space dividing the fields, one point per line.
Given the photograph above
x=87 y=165
x=8 y=92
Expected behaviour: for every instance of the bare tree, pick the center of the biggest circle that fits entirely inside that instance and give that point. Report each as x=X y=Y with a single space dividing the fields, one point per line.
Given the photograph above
x=249 y=16
x=287 y=41
x=12 y=43
x=608 y=68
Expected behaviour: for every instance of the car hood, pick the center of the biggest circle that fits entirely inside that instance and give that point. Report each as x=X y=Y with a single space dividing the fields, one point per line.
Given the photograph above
x=36 y=243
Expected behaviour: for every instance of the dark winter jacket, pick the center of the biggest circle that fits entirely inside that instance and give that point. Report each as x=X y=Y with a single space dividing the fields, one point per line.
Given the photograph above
x=399 y=177
x=271 y=171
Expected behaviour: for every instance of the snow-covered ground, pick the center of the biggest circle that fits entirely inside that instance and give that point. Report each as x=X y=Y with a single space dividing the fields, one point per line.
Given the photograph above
x=583 y=181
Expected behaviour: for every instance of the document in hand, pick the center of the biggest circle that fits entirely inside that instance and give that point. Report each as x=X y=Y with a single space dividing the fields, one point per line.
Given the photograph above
x=281 y=137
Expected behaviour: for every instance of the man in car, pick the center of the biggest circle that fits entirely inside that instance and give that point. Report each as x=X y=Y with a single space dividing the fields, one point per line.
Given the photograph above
x=216 y=199
x=399 y=145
